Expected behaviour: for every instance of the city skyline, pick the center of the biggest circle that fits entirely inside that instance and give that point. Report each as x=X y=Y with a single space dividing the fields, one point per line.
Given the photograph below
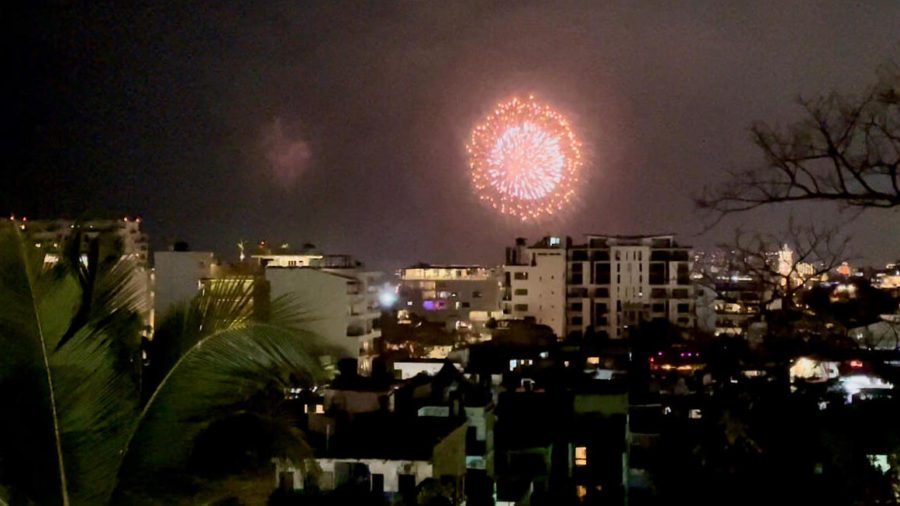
x=220 y=125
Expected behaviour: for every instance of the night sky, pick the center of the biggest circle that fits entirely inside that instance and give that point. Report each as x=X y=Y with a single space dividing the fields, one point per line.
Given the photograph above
x=344 y=123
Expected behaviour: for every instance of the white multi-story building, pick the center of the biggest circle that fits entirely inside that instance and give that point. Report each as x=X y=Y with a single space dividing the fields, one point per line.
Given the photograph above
x=50 y=235
x=123 y=237
x=178 y=275
x=339 y=299
x=607 y=284
x=460 y=296
x=535 y=279
x=614 y=282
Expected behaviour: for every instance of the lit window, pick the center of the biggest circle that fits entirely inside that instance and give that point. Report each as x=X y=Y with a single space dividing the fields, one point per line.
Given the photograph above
x=320 y=409
x=593 y=360
x=580 y=491
x=580 y=455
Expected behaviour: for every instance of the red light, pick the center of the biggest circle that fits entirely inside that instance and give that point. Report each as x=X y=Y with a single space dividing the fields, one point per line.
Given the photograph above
x=651 y=360
x=856 y=364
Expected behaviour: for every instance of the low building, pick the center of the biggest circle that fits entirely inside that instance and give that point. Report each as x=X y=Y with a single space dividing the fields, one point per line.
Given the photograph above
x=383 y=455
x=462 y=297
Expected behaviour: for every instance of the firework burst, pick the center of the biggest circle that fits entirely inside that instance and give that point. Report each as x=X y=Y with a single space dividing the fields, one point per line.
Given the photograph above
x=524 y=160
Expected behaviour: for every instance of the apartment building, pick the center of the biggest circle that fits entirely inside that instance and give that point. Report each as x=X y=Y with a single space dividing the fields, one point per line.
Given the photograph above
x=608 y=284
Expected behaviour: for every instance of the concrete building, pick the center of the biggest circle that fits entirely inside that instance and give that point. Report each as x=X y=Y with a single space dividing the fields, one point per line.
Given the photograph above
x=614 y=282
x=607 y=284
x=535 y=280
x=463 y=297
x=385 y=456
x=50 y=235
x=178 y=276
x=339 y=298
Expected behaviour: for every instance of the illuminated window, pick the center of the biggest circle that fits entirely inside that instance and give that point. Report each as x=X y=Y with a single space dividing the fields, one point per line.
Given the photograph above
x=593 y=360
x=580 y=491
x=320 y=409
x=580 y=455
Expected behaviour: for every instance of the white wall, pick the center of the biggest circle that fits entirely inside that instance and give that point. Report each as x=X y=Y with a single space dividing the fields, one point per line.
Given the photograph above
x=391 y=469
x=324 y=302
x=546 y=287
x=177 y=275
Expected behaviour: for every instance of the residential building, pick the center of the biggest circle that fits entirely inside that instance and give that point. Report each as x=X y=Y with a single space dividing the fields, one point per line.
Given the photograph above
x=727 y=304
x=462 y=297
x=384 y=456
x=50 y=235
x=338 y=297
x=535 y=280
x=178 y=276
x=615 y=282
x=607 y=284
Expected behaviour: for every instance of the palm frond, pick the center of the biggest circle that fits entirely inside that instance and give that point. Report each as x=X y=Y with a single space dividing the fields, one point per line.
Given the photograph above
x=222 y=305
x=300 y=314
x=220 y=370
x=36 y=311
x=72 y=405
x=290 y=311
x=98 y=405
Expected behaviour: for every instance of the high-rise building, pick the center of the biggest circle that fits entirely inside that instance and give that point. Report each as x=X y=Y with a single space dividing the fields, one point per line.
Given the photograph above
x=608 y=284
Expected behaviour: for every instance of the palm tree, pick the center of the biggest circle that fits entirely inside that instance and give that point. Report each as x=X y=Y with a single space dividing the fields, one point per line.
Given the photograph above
x=81 y=424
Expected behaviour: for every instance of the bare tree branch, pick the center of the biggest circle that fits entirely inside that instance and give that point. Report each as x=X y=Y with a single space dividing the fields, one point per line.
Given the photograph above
x=846 y=150
x=782 y=264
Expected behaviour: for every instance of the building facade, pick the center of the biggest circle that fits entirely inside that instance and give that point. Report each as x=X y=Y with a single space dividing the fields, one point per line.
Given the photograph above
x=608 y=284
x=50 y=235
x=463 y=297
x=178 y=276
x=535 y=280
x=339 y=298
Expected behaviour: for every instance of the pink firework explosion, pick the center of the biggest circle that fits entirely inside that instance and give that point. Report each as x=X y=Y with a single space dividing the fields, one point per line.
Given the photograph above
x=524 y=160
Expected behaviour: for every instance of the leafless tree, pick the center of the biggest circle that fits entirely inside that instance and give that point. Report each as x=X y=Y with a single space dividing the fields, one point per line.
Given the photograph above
x=814 y=251
x=846 y=149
